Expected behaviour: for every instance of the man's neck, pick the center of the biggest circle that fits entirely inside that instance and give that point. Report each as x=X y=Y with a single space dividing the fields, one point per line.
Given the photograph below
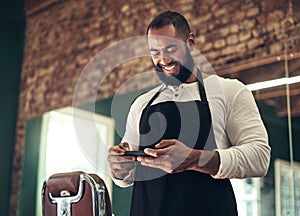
x=193 y=77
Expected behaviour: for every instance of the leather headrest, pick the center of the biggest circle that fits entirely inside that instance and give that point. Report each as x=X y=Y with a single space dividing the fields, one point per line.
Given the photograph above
x=64 y=182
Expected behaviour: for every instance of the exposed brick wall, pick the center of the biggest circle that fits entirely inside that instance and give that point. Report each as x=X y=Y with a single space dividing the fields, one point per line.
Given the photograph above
x=64 y=37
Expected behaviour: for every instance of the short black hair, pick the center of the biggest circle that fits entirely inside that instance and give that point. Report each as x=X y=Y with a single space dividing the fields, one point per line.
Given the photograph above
x=179 y=22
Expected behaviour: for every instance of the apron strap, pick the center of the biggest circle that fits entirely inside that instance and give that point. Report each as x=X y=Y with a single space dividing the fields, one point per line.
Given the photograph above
x=200 y=86
x=155 y=95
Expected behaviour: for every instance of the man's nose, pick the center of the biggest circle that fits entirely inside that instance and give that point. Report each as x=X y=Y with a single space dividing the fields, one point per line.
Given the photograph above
x=163 y=58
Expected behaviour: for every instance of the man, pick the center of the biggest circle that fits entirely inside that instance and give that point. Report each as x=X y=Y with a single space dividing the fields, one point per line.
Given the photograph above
x=196 y=133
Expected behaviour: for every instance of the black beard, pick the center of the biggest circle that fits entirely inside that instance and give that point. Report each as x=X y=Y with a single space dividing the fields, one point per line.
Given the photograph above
x=185 y=72
x=182 y=76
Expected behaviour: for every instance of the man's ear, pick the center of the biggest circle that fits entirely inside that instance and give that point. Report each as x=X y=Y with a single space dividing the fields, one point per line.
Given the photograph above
x=191 y=40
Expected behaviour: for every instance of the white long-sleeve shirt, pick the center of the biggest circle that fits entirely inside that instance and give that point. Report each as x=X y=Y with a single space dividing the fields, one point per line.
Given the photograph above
x=241 y=138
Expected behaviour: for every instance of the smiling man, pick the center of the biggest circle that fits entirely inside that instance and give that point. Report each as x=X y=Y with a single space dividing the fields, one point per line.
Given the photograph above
x=194 y=132
x=171 y=57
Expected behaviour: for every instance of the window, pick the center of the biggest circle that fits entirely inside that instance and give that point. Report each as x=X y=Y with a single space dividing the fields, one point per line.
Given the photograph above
x=74 y=140
x=287 y=187
x=247 y=192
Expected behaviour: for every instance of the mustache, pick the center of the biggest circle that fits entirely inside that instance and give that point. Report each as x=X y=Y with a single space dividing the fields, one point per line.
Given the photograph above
x=159 y=66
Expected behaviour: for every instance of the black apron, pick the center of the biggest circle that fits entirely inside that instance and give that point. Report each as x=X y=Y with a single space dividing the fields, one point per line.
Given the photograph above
x=157 y=193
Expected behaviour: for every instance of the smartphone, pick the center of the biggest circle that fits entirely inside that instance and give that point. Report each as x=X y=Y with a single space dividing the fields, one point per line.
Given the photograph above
x=136 y=153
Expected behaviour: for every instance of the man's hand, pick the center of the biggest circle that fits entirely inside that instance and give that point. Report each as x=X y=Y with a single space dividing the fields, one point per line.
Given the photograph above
x=120 y=165
x=173 y=156
x=170 y=155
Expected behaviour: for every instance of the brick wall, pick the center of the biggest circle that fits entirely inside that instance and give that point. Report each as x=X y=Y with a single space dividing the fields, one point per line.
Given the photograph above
x=63 y=37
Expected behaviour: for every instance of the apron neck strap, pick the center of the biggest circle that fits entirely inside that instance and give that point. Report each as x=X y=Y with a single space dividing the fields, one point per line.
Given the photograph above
x=200 y=86
x=155 y=95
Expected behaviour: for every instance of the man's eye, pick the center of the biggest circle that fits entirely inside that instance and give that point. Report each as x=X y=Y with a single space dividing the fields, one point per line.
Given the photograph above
x=171 y=49
x=155 y=53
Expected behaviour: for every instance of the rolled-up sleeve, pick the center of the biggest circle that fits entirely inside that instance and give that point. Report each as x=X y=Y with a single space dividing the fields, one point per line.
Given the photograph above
x=249 y=153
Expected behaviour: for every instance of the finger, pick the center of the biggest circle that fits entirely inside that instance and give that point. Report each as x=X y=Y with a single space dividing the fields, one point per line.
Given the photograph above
x=154 y=162
x=158 y=160
x=123 y=165
x=121 y=159
x=157 y=152
x=116 y=150
x=153 y=165
x=151 y=152
x=156 y=165
x=124 y=146
x=166 y=143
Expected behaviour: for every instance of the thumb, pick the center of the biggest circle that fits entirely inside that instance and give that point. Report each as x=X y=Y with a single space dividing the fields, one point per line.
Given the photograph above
x=166 y=143
x=124 y=146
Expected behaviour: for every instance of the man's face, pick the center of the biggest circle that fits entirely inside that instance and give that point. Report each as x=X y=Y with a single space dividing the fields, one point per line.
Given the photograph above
x=170 y=55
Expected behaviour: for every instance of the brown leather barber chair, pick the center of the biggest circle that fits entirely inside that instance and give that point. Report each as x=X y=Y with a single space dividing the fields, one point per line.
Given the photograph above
x=75 y=194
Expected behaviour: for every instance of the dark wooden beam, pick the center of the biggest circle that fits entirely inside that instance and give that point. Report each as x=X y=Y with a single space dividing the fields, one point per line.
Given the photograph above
x=275 y=94
x=40 y=5
x=246 y=65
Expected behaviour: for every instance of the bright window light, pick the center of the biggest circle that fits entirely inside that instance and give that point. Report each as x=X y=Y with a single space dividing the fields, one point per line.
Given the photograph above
x=273 y=83
x=61 y=150
x=247 y=192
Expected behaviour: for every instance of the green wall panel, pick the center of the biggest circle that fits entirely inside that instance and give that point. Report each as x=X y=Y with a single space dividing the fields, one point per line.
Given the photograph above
x=12 y=24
